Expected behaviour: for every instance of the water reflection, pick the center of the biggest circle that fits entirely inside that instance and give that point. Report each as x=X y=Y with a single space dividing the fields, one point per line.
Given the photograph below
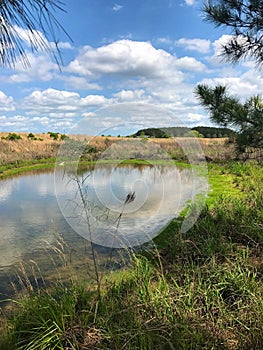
x=31 y=217
x=92 y=202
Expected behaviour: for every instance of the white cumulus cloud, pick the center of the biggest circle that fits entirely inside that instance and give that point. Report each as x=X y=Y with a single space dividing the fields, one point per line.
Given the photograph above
x=190 y=64
x=7 y=103
x=51 y=100
x=199 y=45
x=59 y=104
x=129 y=95
x=94 y=101
x=41 y=69
x=125 y=58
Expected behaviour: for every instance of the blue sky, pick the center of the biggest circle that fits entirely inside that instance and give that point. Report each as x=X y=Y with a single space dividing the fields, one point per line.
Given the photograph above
x=131 y=64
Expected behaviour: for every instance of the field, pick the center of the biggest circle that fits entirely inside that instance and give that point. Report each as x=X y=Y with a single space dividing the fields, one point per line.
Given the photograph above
x=18 y=151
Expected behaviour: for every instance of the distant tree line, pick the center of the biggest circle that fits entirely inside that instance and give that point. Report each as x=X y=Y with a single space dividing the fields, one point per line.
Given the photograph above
x=151 y=132
x=198 y=131
x=208 y=131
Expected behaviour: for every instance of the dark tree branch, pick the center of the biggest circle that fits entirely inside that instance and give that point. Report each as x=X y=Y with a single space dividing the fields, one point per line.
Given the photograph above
x=245 y=21
x=41 y=27
x=225 y=110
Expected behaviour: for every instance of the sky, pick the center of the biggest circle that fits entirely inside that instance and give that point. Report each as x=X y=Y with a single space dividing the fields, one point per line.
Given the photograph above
x=129 y=65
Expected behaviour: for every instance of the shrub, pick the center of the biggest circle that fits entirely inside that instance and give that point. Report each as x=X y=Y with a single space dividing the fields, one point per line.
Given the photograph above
x=31 y=136
x=12 y=136
x=53 y=135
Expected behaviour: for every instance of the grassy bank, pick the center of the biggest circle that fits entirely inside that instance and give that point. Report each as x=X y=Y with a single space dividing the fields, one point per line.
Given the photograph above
x=201 y=290
x=25 y=166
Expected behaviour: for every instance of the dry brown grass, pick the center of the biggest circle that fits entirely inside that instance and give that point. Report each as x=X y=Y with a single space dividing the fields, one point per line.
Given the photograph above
x=45 y=137
x=19 y=150
x=213 y=148
x=12 y=151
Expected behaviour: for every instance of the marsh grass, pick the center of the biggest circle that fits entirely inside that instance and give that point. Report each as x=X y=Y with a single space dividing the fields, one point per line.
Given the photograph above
x=200 y=290
x=14 y=153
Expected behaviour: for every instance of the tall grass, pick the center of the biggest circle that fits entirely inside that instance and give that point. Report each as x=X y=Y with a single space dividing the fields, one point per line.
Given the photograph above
x=15 y=152
x=201 y=290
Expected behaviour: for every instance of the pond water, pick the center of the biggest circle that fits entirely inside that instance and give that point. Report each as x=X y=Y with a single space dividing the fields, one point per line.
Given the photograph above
x=38 y=213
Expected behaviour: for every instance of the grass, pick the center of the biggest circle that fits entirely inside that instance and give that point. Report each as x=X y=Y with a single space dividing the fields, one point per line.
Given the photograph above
x=199 y=290
x=26 y=148
x=11 y=169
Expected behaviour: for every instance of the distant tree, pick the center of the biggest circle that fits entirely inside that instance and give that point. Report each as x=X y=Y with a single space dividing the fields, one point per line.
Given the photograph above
x=31 y=136
x=245 y=19
x=246 y=118
x=38 y=20
x=53 y=135
x=12 y=136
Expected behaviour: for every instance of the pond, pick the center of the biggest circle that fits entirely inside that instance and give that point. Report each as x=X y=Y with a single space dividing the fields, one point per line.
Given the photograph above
x=43 y=215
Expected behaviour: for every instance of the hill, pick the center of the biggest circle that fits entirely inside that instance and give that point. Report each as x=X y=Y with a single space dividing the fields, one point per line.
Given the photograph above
x=177 y=131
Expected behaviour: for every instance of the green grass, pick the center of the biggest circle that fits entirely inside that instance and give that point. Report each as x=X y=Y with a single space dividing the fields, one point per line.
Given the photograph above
x=25 y=166
x=199 y=290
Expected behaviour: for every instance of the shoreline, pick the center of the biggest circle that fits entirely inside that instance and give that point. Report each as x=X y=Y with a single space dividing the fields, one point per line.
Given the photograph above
x=11 y=169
